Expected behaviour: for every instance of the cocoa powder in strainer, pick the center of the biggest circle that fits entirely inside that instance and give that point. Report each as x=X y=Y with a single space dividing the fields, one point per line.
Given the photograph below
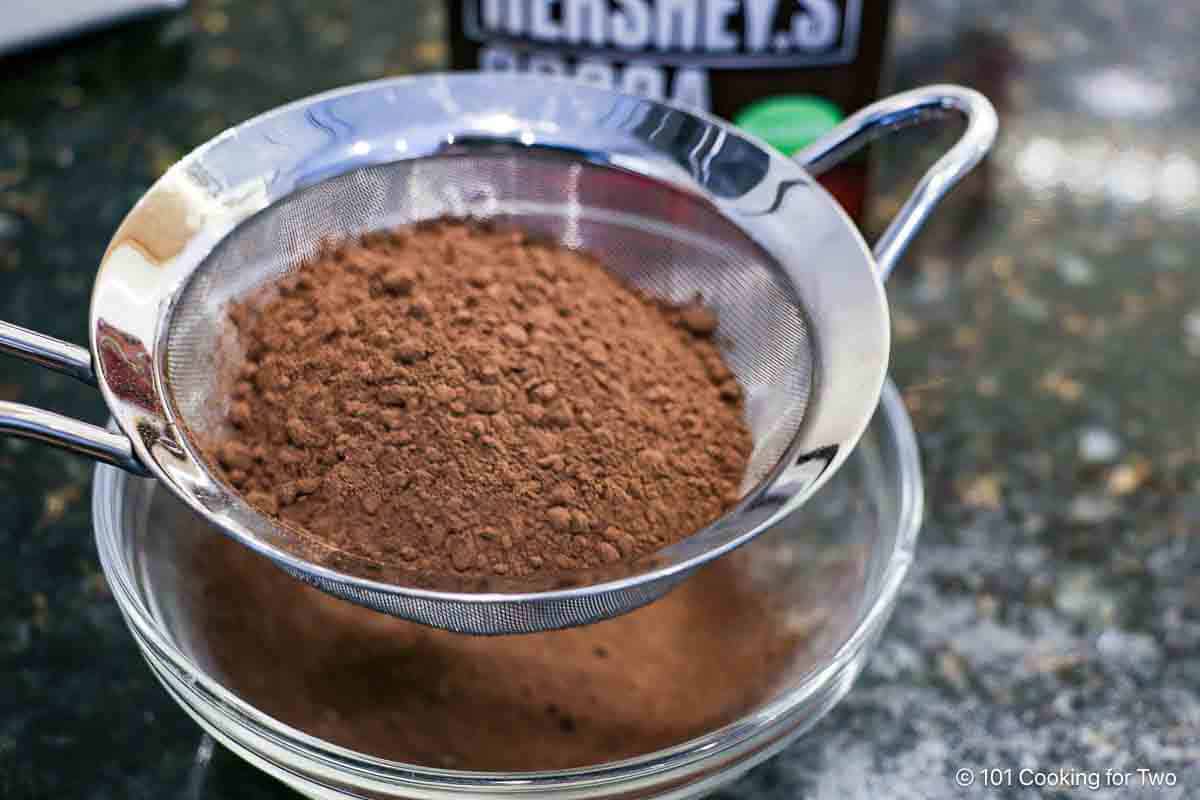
x=459 y=399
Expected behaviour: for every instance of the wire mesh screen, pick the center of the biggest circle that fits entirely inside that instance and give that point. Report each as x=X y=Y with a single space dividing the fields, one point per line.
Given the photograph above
x=660 y=239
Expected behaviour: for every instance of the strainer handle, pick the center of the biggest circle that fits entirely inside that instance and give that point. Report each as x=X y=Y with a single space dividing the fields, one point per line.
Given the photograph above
x=900 y=111
x=75 y=435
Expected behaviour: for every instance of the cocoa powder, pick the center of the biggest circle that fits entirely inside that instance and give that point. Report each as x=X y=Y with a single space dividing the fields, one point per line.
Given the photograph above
x=702 y=657
x=459 y=399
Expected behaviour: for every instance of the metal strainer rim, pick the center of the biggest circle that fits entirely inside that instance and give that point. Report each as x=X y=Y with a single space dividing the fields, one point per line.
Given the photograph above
x=787 y=176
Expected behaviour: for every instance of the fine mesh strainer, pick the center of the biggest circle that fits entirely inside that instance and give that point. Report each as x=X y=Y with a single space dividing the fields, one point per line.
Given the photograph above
x=675 y=202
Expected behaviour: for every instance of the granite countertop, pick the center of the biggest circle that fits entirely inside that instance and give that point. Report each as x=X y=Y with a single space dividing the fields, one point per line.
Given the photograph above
x=1047 y=338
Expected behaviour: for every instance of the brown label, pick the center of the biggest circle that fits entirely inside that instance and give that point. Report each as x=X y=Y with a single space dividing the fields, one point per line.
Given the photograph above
x=726 y=34
x=717 y=55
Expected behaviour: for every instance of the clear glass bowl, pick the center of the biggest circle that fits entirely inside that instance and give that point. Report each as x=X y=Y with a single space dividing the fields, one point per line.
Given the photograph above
x=865 y=521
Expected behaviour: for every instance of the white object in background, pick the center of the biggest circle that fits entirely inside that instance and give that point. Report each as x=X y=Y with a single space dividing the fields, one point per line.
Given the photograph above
x=27 y=22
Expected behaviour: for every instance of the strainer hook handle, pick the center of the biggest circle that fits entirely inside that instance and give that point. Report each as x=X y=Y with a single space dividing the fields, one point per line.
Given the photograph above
x=900 y=111
x=17 y=419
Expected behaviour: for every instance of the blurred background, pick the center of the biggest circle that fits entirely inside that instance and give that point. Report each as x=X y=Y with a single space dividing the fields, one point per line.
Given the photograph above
x=1047 y=341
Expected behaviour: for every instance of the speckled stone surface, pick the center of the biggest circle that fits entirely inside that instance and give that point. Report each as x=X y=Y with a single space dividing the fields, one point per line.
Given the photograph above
x=1047 y=336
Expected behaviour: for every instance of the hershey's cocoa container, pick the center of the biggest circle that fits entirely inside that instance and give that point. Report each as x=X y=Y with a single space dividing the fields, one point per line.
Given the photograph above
x=786 y=70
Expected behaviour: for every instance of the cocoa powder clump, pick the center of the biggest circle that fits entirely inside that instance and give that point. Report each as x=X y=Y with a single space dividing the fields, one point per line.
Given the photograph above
x=463 y=400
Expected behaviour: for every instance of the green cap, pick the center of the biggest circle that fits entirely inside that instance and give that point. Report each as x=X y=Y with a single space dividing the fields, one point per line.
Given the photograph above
x=789 y=122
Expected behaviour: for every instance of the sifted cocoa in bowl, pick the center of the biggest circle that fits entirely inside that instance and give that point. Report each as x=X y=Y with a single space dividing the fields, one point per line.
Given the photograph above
x=701 y=657
x=462 y=400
